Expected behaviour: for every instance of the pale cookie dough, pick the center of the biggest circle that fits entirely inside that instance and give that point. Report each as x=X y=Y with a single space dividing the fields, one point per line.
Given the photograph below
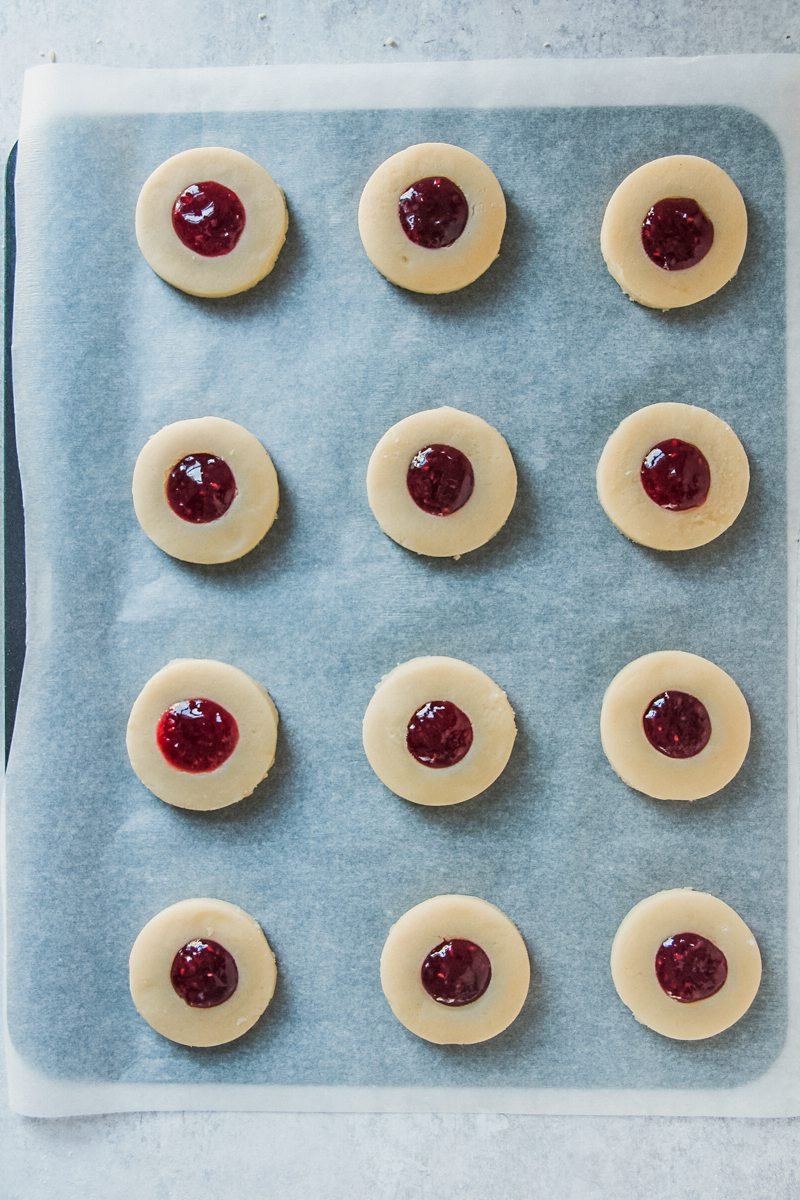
x=151 y=962
x=401 y=693
x=646 y=769
x=633 y=955
x=483 y=515
x=441 y=919
x=254 y=508
x=414 y=267
x=247 y=702
x=258 y=247
x=679 y=176
x=627 y=504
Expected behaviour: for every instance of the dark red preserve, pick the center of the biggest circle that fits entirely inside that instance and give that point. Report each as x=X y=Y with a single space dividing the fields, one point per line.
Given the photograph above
x=677 y=724
x=676 y=475
x=676 y=233
x=456 y=972
x=440 y=479
x=200 y=488
x=197 y=735
x=204 y=974
x=439 y=734
x=208 y=218
x=689 y=967
x=433 y=212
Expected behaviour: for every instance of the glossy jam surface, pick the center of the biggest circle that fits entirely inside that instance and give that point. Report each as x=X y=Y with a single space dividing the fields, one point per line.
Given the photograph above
x=690 y=967
x=204 y=974
x=439 y=734
x=456 y=972
x=675 y=475
x=676 y=233
x=440 y=479
x=200 y=488
x=208 y=218
x=197 y=735
x=433 y=212
x=677 y=724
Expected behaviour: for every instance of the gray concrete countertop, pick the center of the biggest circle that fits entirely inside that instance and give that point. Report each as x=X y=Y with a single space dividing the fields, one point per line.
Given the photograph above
x=155 y=1156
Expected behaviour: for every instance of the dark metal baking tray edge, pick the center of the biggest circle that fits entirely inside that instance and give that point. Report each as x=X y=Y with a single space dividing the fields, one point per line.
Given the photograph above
x=13 y=531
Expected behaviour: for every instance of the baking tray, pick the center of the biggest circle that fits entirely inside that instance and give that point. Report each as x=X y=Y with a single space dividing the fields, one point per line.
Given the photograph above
x=13 y=524
x=559 y=842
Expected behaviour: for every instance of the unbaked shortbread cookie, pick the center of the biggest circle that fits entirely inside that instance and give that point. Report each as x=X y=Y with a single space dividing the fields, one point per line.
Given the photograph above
x=202 y=734
x=438 y=731
x=455 y=970
x=211 y=221
x=441 y=482
x=685 y=964
x=431 y=218
x=674 y=231
x=675 y=726
x=673 y=476
x=205 y=490
x=202 y=972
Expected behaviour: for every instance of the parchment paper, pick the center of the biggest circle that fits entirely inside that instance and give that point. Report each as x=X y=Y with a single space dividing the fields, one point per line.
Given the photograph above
x=318 y=361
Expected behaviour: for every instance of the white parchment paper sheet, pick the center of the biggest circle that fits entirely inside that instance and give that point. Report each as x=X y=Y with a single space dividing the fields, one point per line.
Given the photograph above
x=318 y=361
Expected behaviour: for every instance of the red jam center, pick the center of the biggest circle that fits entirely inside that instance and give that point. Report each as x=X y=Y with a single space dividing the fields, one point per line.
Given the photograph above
x=439 y=734
x=677 y=724
x=197 y=735
x=208 y=218
x=675 y=475
x=433 y=212
x=676 y=233
x=204 y=974
x=200 y=488
x=456 y=972
x=440 y=480
x=690 y=967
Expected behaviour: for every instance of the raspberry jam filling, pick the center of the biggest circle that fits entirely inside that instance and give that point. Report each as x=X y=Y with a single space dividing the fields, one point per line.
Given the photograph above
x=200 y=488
x=208 y=218
x=676 y=233
x=197 y=735
x=204 y=974
x=440 y=479
x=439 y=734
x=433 y=212
x=689 y=967
x=677 y=724
x=675 y=475
x=456 y=972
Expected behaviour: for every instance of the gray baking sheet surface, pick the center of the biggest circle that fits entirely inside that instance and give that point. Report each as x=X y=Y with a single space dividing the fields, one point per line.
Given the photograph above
x=318 y=361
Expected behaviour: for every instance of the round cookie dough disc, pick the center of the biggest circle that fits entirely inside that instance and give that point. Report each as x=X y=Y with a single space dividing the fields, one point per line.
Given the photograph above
x=254 y=507
x=417 y=268
x=402 y=693
x=247 y=702
x=424 y=927
x=258 y=247
x=633 y=955
x=646 y=769
x=619 y=485
x=678 y=176
x=151 y=961
x=483 y=515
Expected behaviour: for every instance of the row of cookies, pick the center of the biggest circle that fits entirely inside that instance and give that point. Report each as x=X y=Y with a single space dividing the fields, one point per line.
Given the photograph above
x=212 y=222
x=437 y=731
x=442 y=482
x=202 y=972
